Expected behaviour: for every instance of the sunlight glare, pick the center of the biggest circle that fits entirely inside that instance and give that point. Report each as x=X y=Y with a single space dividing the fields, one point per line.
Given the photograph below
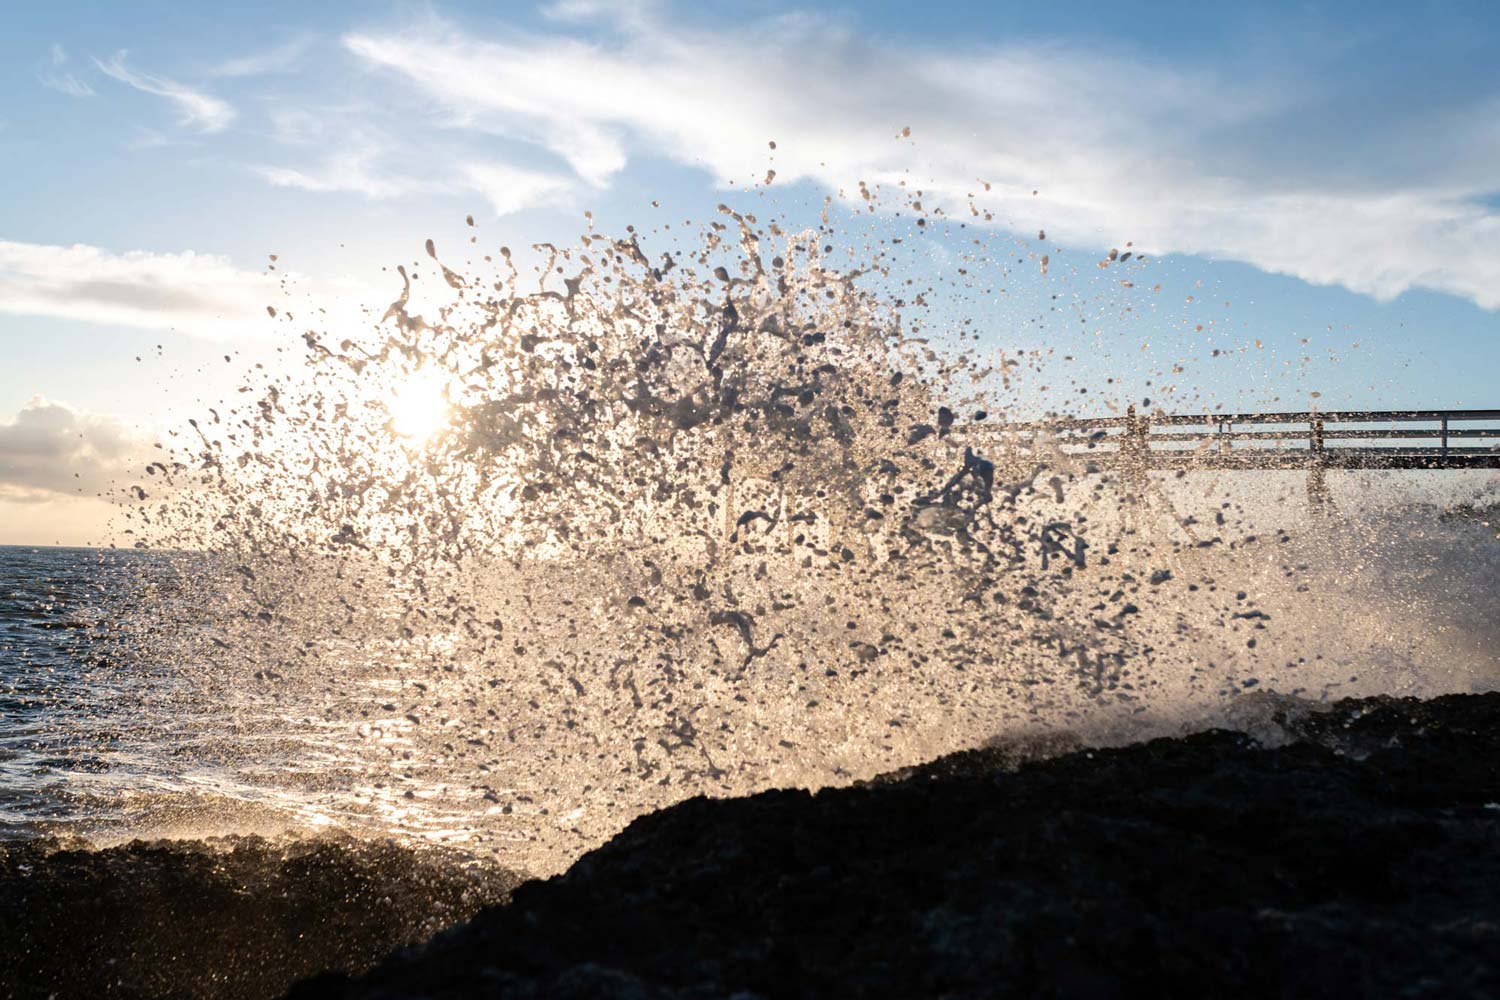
x=419 y=406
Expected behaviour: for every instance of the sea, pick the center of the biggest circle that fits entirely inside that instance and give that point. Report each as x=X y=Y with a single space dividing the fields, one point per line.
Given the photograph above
x=119 y=719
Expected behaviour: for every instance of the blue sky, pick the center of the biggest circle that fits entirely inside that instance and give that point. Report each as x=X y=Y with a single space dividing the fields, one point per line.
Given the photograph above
x=1330 y=170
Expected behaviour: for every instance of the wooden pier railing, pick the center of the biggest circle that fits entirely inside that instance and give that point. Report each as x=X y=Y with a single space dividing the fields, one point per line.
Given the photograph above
x=1407 y=439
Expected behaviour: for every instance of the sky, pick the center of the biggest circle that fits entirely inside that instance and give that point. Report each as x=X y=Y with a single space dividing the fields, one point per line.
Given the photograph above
x=1316 y=184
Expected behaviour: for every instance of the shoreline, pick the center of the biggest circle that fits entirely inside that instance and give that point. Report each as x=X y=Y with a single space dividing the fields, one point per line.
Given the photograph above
x=1361 y=858
x=231 y=916
x=1362 y=852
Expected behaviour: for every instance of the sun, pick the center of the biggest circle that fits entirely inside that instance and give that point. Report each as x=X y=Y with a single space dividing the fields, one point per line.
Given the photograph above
x=419 y=406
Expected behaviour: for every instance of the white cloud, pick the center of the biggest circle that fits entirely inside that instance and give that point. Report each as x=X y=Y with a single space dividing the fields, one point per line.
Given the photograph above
x=534 y=95
x=358 y=165
x=278 y=59
x=355 y=169
x=628 y=12
x=1119 y=148
x=66 y=83
x=61 y=81
x=510 y=189
x=197 y=294
x=195 y=109
x=295 y=126
x=150 y=138
x=50 y=449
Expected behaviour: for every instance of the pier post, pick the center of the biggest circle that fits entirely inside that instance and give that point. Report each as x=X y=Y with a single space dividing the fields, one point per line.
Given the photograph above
x=1318 y=496
x=1134 y=455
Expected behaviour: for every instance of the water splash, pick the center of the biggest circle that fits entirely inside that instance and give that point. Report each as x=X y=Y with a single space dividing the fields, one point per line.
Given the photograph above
x=704 y=521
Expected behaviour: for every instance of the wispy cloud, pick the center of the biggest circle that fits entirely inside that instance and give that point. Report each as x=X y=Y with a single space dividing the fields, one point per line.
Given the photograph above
x=538 y=98
x=66 y=83
x=50 y=449
x=511 y=189
x=195 y=109
x=281 y=58
x=196 y=294
x=1117 y=147
x=634 y=13
x=295 y=126
x=355 y=168
x=150 y=138
x=362 y=164
x=59 y=79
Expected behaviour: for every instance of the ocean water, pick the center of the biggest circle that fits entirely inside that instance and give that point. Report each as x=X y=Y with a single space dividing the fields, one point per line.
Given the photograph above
x=112 y=729
x=120 y=716
x=91 y=732
x=68 y=712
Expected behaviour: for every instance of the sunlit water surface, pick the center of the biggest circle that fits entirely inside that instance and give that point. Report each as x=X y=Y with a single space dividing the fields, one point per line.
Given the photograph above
x=110 y=729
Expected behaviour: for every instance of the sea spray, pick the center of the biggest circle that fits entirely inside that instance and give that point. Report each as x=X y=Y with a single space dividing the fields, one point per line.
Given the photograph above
x=651 y=523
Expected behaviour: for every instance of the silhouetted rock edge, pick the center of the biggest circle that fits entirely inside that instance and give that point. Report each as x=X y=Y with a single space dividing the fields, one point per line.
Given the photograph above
x=1362 y=858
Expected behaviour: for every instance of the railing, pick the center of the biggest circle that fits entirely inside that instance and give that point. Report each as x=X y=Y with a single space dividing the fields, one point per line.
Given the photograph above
x=1286 y=440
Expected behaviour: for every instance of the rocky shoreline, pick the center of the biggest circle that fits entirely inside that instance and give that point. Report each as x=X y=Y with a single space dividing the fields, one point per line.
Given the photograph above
x=229 y=917
x=1361 y=858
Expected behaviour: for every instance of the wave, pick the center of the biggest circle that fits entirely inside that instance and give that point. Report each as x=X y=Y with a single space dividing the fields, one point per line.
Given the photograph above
x=715 y=510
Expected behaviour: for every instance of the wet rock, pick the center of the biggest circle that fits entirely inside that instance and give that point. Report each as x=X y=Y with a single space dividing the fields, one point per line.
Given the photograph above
x=1362 y=858
x=234 y=917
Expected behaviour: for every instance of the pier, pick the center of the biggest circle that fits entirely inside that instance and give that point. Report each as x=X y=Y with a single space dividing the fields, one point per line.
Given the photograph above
x=1311 y=439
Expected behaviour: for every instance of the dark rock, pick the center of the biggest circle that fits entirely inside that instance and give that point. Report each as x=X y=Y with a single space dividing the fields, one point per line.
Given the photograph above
x=227 y=918
x=1361 y=859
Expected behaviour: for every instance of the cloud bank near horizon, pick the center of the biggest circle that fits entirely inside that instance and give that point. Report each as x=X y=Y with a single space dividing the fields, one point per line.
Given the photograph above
x=50 y=450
